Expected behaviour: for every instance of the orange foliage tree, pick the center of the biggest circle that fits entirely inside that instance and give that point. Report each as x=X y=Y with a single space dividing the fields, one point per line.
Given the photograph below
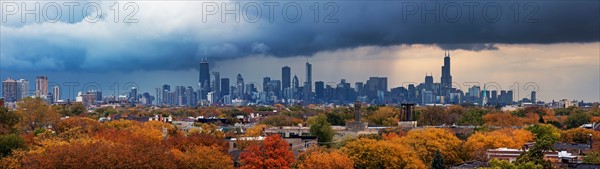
x=273 y=153
x=202 y=157
x=479 y=142
x=326 y=160
x=501 y=119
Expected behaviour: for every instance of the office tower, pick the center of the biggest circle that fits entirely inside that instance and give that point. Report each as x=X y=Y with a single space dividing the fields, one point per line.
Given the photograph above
x=533 y=97
x=166 y=89
x=295 y=82
x=216 y=85
x=319 y=90
x=429 y=82
x=224 y=86
x=190 y=97
x=56 y=93
x=494 y=97
x=275 y=88
x=286 y=75
x=446 y=79
x=159 y=96
x=133 y=97
x=308 y=84
x=375 y=84
x=22 y=89
x=204 y=80
x=359 y=88
x=509 y=97
x=9 y=90
x=267 y=85
x=180 y=96
x=41 y=86
x=240 y=87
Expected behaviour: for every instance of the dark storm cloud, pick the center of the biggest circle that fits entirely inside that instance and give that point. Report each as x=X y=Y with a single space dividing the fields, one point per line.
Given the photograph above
x=176 y=37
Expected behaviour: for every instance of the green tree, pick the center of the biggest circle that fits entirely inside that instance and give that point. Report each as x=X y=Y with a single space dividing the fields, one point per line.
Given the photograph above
x=10 y=142
x=438 y=161
x=473 y=116
x=77 y=109
x=546 y=135
x=321 y=128
x=577 y=119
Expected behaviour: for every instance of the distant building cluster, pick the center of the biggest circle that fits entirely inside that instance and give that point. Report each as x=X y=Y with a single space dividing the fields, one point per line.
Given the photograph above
x=288 y=90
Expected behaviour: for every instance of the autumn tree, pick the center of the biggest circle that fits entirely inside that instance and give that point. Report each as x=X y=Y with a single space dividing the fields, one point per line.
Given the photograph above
x=321 y=128
x=454 y=114
x=581 y=136
x=281 y=120
x=202 y=157
x=477 y=144
x=592 y=157
x=324 y=159
x=8 y=120
x=255 y=131
x=274 y=152
x=501 y=119
x=384 y=116
x=35 y=113
x=431 y=115
x=369 y=153
x=426 y=141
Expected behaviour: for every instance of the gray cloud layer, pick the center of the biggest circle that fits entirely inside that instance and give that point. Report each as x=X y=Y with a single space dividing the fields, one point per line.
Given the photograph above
x=173 y=35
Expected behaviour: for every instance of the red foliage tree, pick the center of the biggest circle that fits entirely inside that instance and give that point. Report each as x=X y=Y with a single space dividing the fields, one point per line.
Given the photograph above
x=273 y=153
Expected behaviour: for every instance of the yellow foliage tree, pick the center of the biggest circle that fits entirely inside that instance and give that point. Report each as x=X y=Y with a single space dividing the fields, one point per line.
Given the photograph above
x=427 y=141
x=202 y=157
x=479 y=142
x=368 y=153
x=35 y=113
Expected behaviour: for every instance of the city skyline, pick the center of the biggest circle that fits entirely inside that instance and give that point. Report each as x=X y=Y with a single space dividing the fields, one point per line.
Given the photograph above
x=274 y=71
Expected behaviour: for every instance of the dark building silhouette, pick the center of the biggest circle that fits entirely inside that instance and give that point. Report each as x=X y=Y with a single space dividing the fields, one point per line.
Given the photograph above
x=446 y=79
x=285 y=77
x=224 y=86
x=319 y=90
x=204 y=80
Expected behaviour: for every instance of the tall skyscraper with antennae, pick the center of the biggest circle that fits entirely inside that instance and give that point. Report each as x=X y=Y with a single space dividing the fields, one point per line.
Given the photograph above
x=446 y=79
x=204 y=78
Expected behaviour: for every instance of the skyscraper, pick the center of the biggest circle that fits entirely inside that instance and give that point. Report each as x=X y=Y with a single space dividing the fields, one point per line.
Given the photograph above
x=267 y=85
x=224 y=86
x=240 y=86
x=204 y=80
x=308 y=84
x=285 y=77
x=295 y=82
x=319 y=90
x=9 y=90
x=446 y=79
x=56 y=93
x=41 y=86
x=22 y=88
x=216 y=86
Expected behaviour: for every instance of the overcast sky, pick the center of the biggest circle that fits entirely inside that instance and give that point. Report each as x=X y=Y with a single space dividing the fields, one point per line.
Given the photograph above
x=551 y=45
